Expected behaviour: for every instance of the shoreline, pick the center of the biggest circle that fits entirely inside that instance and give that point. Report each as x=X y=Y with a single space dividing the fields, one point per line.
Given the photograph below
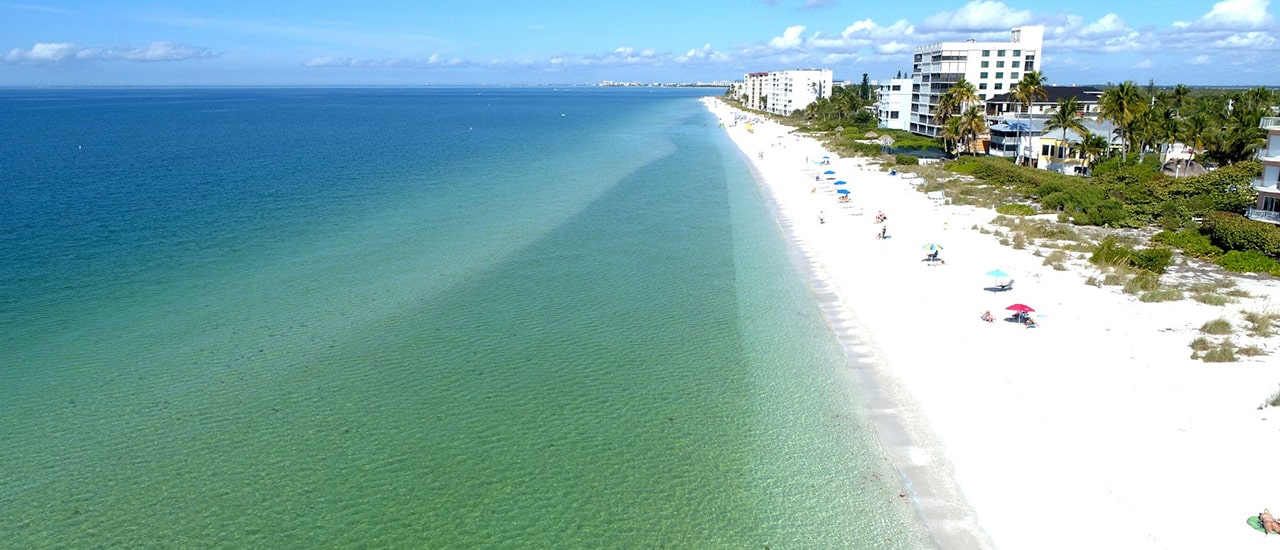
x=1098 y=418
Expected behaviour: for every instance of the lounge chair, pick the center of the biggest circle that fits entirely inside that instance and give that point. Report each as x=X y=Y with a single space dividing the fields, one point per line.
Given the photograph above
x=1005 y=286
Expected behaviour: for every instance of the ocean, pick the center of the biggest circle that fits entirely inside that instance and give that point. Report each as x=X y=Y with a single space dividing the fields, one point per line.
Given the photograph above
x=413 y=318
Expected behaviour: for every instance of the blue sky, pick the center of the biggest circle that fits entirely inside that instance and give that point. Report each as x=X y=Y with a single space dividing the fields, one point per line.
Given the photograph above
x=320 y=42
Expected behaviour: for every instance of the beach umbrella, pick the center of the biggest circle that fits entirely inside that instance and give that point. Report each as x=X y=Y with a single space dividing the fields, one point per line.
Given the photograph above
x=997 y=273
x=840 y=182
x=842 y=191
x=830 y=172
x=932 y=246
x=1020 y=308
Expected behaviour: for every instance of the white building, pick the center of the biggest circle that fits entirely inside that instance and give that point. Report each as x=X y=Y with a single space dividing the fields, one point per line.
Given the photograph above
x=893 y=109
x=755 y=88
x=795 y=89
x=1267 y=209
x=992 y=68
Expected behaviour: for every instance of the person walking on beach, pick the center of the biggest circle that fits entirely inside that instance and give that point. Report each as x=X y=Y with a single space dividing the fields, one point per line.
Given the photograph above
x=821 y=219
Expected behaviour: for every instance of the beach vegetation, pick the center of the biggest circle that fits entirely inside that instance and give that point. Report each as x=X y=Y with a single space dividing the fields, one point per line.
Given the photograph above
x=1019 y=240
x=1251 y=261
x=1016 y=209
x=1211 y=299
x=1225 y=353
x=1143 y=281
x=1191 y=242
x=1273 y=401
x=1111 y=252
x=1114 y=279
x=907 y=160
x=1201 y=344
x=1161 y=295
x=1217 y=327
x=1093 y=281
x=1251 y=350
x=1262 y=325
x=1231 y=231
x=1057 y=259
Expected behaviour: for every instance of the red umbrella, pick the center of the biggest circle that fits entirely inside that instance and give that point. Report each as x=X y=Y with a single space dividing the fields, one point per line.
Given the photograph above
x=1020 y=308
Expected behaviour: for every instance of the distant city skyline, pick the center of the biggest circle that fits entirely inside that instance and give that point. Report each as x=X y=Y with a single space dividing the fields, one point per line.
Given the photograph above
x=321 y=42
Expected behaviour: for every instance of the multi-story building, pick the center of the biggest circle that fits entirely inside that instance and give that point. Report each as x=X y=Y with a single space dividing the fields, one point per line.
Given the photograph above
x=1002 y=105
x=755 y=88
x=893 y=108
x=1267 y=209
x=795 y=89
x=992 y=68
x=783 y=92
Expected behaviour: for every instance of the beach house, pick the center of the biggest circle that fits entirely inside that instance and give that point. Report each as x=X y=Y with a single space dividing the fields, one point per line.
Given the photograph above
x=992 y=67
x=1267 y=209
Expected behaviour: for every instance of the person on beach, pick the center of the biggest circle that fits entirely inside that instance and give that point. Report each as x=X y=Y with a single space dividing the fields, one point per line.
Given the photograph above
x=821 y=219
x=884 y=232
x=988 y=317
x=1269 y=523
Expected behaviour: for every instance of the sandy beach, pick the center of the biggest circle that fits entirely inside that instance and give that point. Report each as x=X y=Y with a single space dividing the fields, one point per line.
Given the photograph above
x=1095 y=429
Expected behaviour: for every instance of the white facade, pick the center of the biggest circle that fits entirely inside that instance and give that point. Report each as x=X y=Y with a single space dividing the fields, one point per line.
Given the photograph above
x=795 y=89
x=893 y=108
x=1267 y=209
x=992 y=68
x=755 y=87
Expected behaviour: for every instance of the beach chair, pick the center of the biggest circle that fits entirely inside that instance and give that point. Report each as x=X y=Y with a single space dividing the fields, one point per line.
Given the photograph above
x=1005 y=286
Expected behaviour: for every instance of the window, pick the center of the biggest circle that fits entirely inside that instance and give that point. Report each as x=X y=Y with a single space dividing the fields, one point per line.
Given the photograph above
x=982 y=74
x=986 y=64
x=986 y=53
x=999 y=53
x=999 y=85
x=897 y=87
x=999 y=64
x=1017 y=53
x=983 y=96
x=999 y=75
x=1031 y=66
x=1013 y=75
x=1044 y=150
x=1016 y=64
x=982 y=85
x=893 y=115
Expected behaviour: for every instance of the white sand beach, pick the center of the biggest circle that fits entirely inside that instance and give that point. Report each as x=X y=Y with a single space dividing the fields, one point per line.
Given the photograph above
x=1094 y=430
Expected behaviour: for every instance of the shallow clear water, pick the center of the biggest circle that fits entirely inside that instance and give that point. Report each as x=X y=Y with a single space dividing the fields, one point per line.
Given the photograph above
x=412 y=318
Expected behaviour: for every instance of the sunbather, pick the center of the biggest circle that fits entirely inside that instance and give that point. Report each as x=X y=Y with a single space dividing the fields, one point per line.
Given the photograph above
x=988 y=317
x=1269 y=523
x=1031 y=323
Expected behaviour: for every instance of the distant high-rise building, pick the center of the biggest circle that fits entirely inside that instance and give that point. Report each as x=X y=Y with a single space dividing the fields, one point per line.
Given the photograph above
x=783 y=92
x=992 y=67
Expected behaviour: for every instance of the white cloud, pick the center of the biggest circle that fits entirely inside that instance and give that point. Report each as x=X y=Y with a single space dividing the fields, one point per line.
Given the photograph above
x=434 y=60
x=1109 y=24
x=705 y=53
x=790 y=38
x=978 y=15
x=1237 y=14
x=1201 y=59
x=49 y=53
x=1144 y=64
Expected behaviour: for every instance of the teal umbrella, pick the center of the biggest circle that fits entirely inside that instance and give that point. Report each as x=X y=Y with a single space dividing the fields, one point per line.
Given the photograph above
x=997 y=273
x=932 y=246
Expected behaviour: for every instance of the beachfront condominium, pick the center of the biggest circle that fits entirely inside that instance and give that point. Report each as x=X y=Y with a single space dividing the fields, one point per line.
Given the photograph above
x=1267 y=209
x=893 y=104
x=992 y=67
x=784 y=92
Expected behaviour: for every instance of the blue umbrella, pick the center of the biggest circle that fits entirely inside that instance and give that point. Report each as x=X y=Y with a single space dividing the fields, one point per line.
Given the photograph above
x=830 y=172
x=842 y=191
x=932 y=246
x=840 y=182
x=997 y=273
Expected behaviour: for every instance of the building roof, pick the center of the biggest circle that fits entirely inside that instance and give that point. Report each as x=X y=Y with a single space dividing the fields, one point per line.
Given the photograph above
x=1083 y=94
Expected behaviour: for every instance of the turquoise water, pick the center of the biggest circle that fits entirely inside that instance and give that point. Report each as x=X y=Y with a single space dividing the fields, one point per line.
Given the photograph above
x=442 y=318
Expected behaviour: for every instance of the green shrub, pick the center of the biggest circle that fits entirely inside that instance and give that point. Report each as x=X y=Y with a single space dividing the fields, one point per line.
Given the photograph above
x=1251 y=261
x=1113 y=279
x=905 y=159
x=1251 y=351
x=1110 y=252
x=1164 y=295
x=1263 y=324
x=1217 y=326
x=1201 y=344
x=1231 y=231
x=1016 y=210
x=1191 y=241
x=1155 y=260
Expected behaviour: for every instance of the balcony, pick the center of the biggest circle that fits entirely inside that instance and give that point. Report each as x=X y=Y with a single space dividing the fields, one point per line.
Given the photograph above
x=1261 y=185
x=1269 y=216
x=1269 y=155
x=1270 y=122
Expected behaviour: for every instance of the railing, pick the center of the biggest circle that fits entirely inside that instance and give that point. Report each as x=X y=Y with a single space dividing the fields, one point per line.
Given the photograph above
x=1270 y=122
x=1268 y=155
x=1258 y=183
x=1263 y=215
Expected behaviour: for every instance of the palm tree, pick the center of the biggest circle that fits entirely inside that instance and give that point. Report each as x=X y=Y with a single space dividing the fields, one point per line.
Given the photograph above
x=1121 y=105
x=957 y=97
x=1092 y=146
x=1026 y=92
x=1066 y=117
x=973 y=123
x=951 y=131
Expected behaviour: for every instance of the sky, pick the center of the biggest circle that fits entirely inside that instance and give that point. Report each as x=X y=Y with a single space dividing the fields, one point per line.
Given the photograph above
x=560 y=42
